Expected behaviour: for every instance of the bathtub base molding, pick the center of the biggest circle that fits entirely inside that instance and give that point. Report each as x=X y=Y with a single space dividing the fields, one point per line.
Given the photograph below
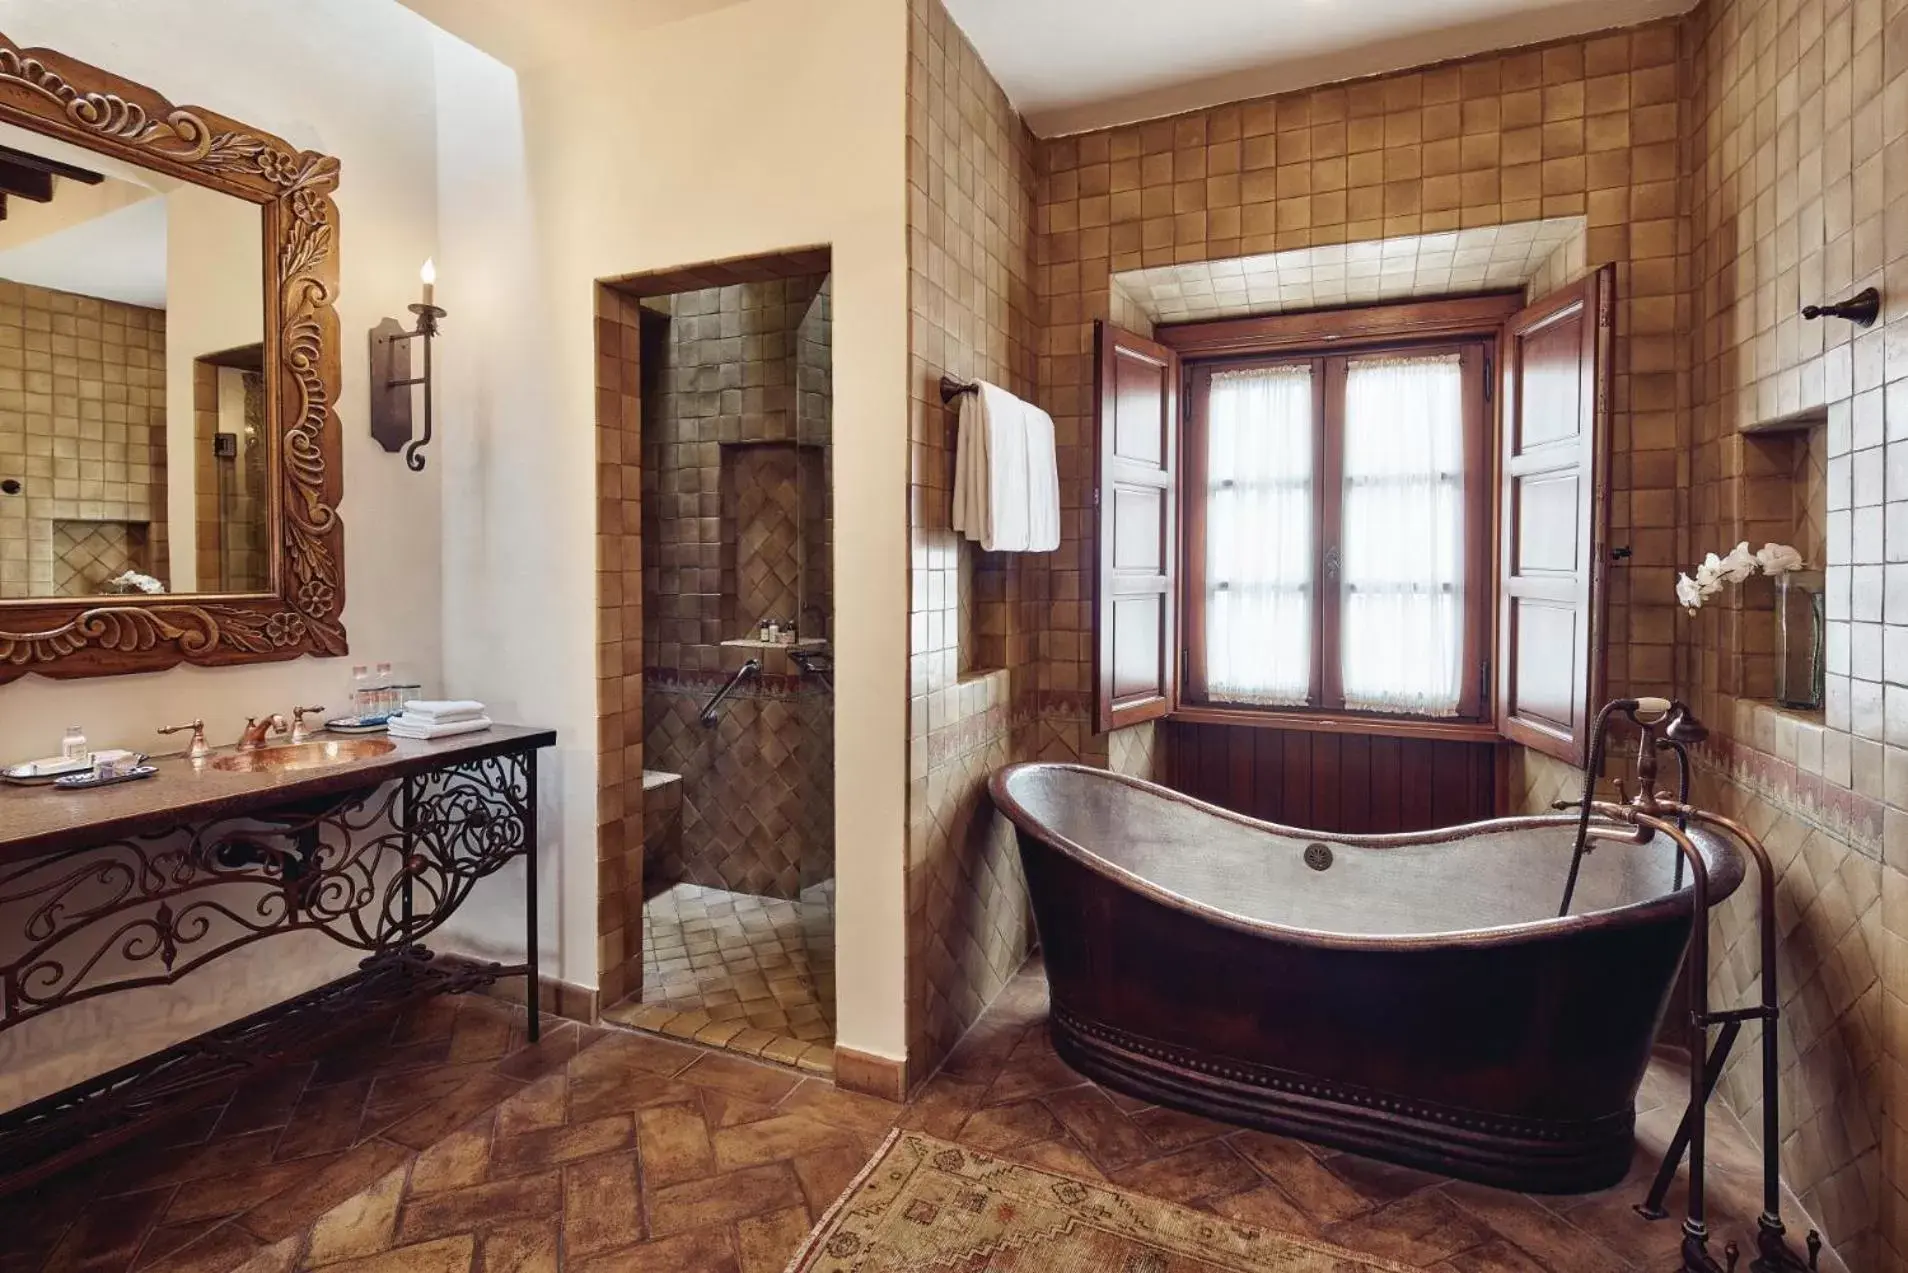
x=1526 y=1155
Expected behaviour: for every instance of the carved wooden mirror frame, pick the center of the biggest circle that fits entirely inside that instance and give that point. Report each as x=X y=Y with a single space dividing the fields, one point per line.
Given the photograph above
x=48 y=93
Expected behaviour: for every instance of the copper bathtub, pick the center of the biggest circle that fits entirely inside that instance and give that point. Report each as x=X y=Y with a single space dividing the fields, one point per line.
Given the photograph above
x=1412 y=997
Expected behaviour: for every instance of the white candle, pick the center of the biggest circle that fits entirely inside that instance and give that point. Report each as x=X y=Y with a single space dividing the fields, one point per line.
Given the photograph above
x=429 y=275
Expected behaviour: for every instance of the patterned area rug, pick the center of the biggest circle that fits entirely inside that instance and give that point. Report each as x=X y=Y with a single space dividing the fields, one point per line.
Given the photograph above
x=923 y=1204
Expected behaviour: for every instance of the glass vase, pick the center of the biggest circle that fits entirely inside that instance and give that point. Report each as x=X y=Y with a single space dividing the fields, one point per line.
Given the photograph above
x=1799 y=629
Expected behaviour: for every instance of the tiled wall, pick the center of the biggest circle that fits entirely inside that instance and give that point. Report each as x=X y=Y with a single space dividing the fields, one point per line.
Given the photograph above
x=737 y=519
x=1798 y=176
x=973 y=616
x=229 y=494
x=1586 y=128
x=82 y=426
x=619 y=649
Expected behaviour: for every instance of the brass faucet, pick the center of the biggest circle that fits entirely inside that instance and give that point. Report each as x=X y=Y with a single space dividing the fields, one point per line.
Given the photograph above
x=197 y=750
x=252 y=737
x=300 y=731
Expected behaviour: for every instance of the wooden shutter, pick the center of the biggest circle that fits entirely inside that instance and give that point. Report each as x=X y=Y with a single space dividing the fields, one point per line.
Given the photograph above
x=1136 y=417
x=1554 y=506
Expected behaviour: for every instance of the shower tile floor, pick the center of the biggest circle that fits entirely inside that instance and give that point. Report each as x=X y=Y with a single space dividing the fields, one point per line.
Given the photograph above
x=747 y=974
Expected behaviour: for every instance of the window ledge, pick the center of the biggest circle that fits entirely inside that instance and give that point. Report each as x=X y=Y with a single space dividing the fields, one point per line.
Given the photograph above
x=1313 y=722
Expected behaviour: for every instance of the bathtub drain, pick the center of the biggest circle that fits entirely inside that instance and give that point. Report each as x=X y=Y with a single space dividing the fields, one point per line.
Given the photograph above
x=1317 y=856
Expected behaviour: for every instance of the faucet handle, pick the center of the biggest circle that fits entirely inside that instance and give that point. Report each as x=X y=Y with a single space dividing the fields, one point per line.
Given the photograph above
x=298 y=731
x=196 y=749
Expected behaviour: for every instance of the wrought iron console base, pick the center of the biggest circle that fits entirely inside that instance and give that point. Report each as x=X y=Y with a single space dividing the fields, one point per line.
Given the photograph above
x=374 y=868
x=57 y=1131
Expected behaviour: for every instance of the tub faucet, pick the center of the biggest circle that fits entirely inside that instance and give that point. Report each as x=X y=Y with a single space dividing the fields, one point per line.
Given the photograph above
x=252 y=737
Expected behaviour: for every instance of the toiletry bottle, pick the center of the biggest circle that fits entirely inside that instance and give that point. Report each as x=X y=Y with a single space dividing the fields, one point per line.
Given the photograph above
x=774 y=635
x=361 y=704
x=73 y=746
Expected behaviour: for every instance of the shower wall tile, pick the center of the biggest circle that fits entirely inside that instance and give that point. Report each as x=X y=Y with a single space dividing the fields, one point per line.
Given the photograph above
x=973 y=616
x=83 y=428
x=737 y=527
x=619 y=649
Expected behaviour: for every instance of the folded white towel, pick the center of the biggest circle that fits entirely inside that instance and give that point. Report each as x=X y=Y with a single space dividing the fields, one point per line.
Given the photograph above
x=444 y=709
x=993 y=468
x=402 y=726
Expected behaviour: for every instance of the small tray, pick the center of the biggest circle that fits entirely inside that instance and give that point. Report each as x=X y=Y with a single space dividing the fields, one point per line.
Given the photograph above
x=44 y=773
x=358 y=724
x=88 y=780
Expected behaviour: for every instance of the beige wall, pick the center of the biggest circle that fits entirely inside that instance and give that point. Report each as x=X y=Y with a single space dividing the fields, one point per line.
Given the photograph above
x=357 y=86
x=796 y=139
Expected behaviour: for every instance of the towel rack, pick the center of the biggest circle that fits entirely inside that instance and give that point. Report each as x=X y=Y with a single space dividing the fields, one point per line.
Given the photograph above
x=952 y=388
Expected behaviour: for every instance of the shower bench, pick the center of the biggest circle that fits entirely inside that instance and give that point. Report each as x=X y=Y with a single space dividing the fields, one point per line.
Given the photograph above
x=143 y=883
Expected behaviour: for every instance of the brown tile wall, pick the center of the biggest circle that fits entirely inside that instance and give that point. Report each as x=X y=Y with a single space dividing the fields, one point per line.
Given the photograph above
x=973 y=616
x=731 y=361
x=737 y=527
x=82 y=425
x=1797 y=169
x=619 y=650
x=230 y=546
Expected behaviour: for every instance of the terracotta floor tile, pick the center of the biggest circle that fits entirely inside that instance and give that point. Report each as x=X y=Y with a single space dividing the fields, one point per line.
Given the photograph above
x=675 y=1144
x=764 y=1243
x=1265 y=1205
x=771 y=1139
x=522 y=1246
x=722 y=1199
x=446 y=1255
x=750 y=1080
x=1204 y=1171
x=826 y=1103
x=1108 y=1136
x=363 y=1224
x=292 y=1209
x=240 y=1190
x=1321 y=1196
x=513 y=1155
x=602 y=1205
x=1539 y=1231
x=999 y=1128
x=1499 y=1255
x=824 y=1173
x=461 y=1210
x=221 y=1250
x=459 y=1160
x=708 y=1250
x=1420 y=1229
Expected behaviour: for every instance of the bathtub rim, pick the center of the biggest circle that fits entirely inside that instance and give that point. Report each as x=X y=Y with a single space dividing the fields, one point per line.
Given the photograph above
x=1725 y=870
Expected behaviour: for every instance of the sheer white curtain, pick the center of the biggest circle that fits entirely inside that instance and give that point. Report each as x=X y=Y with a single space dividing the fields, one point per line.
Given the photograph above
x=1401 y=617
x=1259 y=536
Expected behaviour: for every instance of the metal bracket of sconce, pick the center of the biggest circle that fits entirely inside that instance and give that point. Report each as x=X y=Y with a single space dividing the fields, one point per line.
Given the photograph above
x=391 y=421
x=1862 y=309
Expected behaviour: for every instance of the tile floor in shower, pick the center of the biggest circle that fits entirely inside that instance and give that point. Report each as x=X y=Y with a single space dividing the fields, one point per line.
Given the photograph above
x=743 y=973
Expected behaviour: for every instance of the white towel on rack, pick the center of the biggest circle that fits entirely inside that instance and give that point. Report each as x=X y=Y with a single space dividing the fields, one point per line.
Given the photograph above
x=1006 y=477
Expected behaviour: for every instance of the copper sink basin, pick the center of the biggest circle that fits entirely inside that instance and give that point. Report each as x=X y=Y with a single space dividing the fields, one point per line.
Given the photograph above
x=316 y=755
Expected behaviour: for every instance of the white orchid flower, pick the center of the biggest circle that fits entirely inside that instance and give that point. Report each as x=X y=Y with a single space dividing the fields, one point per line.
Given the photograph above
x=1739 y=564
x=1778 y=559
x=1689 y=593
x=1709 y=575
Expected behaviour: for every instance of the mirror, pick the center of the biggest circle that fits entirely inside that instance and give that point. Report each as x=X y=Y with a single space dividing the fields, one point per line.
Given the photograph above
x=132 y=396
x=168 y=367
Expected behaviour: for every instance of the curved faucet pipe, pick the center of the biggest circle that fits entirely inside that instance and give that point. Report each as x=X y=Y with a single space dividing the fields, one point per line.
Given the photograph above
x=1696 y=968
x=1592 y=767
x=1771 y=1218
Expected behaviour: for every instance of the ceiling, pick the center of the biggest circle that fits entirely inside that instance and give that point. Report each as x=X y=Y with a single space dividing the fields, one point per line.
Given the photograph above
x=526 y=33
x=1452 y=263
x=1070 y=66
x=120 y=256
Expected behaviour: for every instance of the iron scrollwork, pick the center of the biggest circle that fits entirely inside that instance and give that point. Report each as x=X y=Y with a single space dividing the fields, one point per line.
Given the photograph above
x=376 y=870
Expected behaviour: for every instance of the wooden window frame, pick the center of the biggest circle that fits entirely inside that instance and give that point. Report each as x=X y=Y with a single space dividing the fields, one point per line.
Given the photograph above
x=1472 y=326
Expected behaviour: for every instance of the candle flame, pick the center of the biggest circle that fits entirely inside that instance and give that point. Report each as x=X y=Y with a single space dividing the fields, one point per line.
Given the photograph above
x=429 y=272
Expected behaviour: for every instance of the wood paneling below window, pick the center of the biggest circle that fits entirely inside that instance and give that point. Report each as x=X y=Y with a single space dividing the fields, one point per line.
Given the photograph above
x=1334 y=782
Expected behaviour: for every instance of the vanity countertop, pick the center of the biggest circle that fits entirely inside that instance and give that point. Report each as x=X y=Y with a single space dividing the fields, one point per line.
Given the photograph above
x=39 y=821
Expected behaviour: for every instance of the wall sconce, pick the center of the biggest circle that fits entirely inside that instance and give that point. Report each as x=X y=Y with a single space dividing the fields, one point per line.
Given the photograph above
x=391 y=380
x=1862 y=309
